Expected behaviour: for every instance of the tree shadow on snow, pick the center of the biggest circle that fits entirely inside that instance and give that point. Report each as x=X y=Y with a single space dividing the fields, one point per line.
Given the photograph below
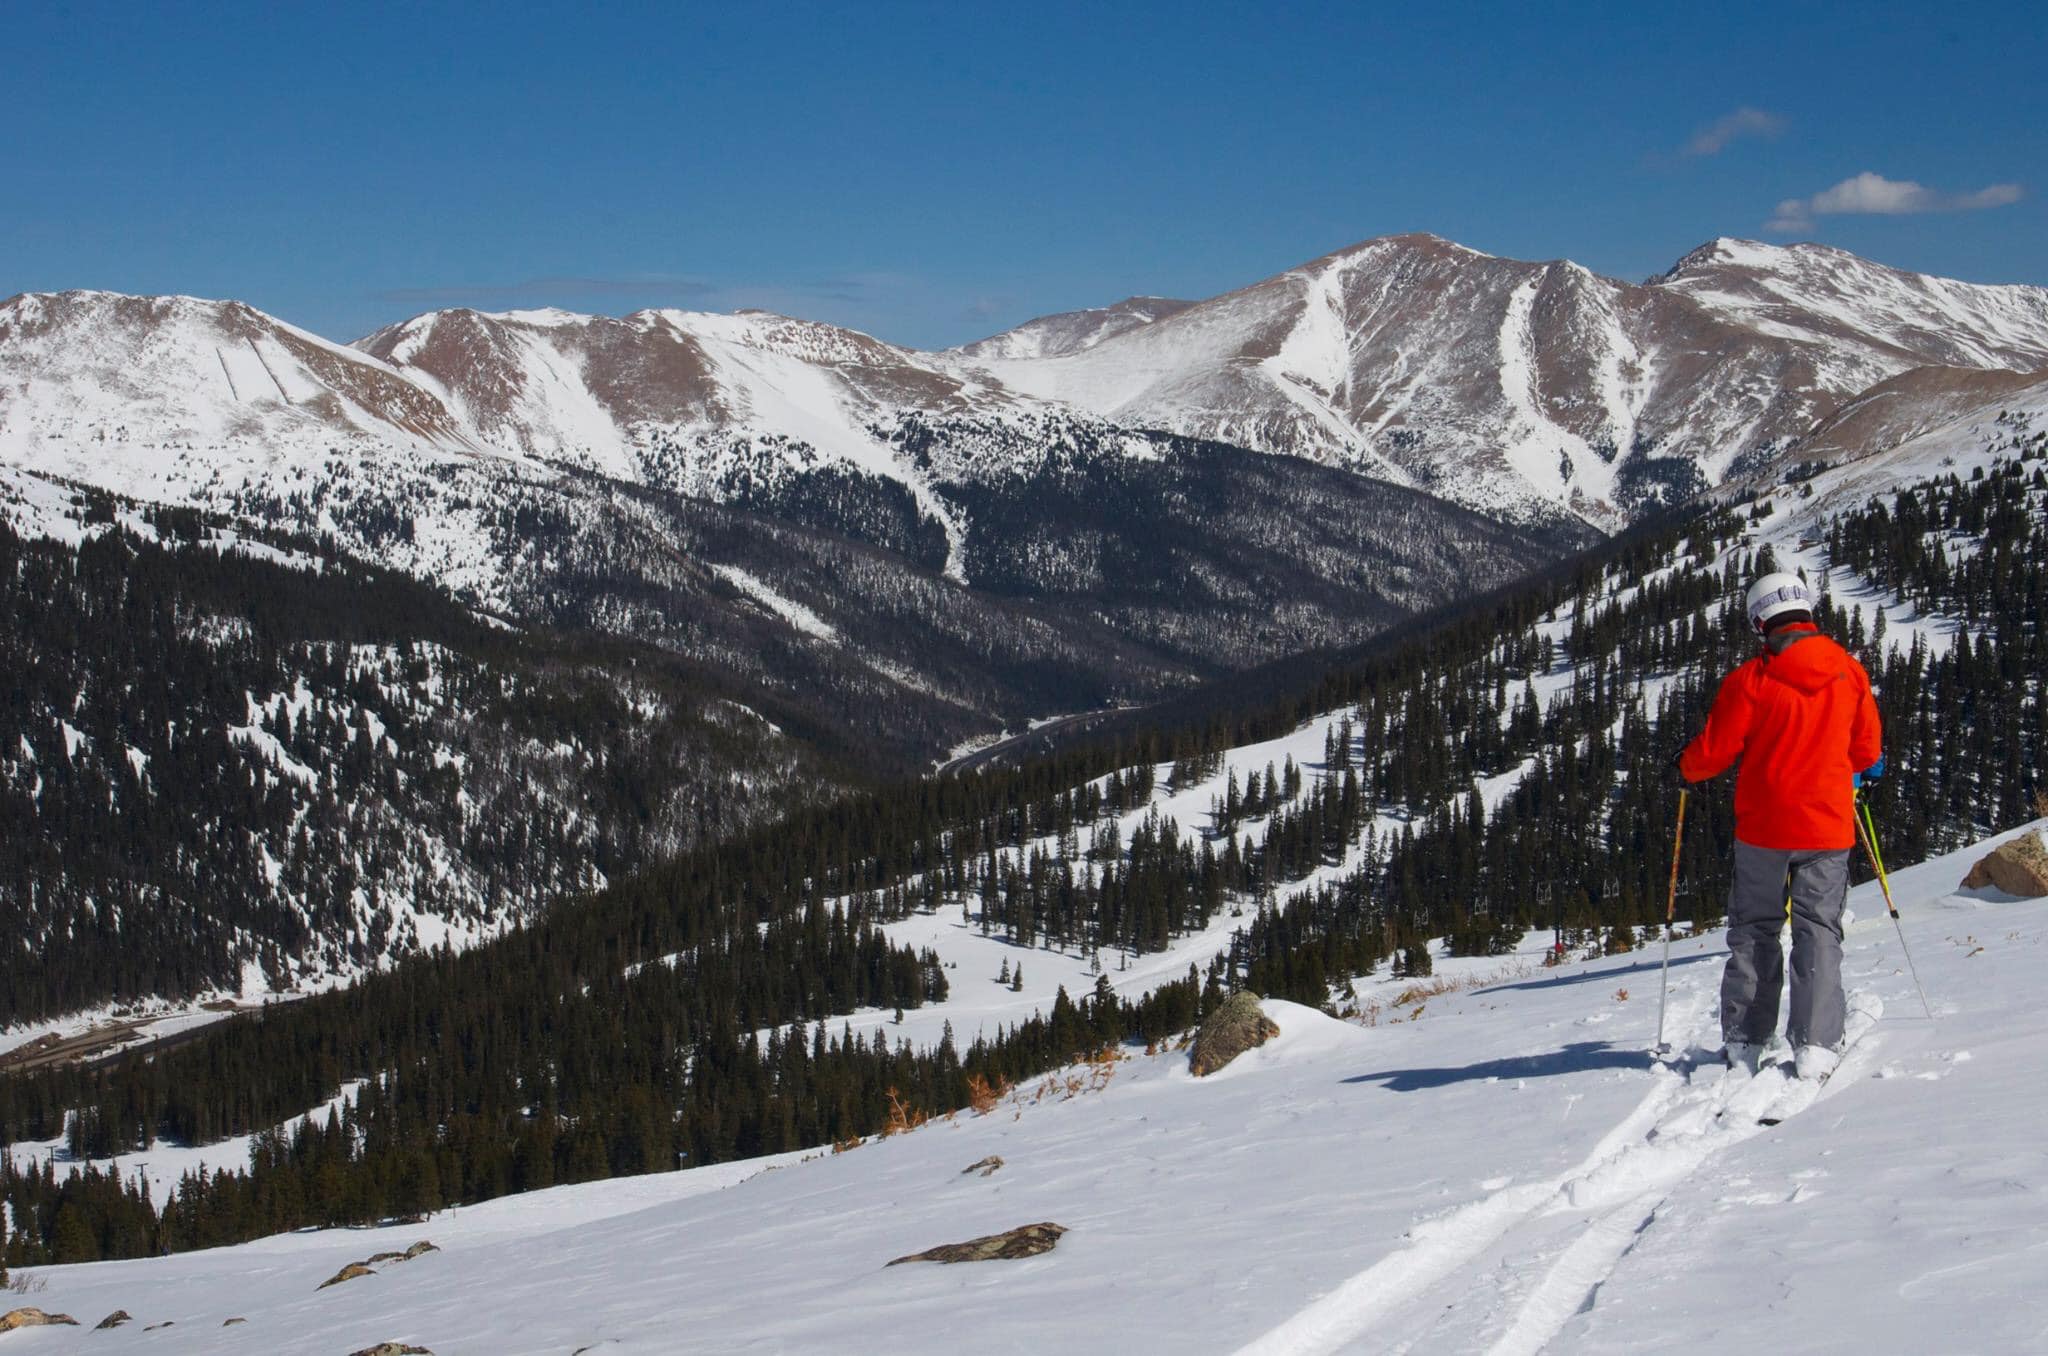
x=1603 y=976
x=1579 y=1057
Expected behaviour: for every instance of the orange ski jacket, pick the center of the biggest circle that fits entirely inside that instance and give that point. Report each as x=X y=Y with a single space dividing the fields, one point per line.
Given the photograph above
x=1801 y=718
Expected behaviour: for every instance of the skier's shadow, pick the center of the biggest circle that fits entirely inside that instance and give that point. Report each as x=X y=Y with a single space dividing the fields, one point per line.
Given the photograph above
x=1578 y=1057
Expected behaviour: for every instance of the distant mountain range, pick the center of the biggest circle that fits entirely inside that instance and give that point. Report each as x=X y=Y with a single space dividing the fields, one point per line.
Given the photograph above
x=826 y=557
x=1088 y=486
x=1072 y=512
x=1529 y=391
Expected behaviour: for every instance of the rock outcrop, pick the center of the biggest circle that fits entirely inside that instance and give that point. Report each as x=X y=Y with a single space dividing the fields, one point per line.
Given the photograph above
x=348 y=1273
x=2018 y=868
x=114 y=1320
x=33 y=1318
x=1235 y=1027
x=986 y=1167
x=419 y=1249
x=1026 y=1241
x=365 y=1267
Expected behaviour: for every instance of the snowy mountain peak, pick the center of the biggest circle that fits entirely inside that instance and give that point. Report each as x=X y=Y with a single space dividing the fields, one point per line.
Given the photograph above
x=134 y=392
x=1053 y=336
x=1866 y=311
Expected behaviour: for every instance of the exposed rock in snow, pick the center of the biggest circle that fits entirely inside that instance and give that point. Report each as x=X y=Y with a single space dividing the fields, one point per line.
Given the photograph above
x=30 y=1317
x=353 y=1271
x=2019 y=867
x=1235 y=1027
x=1027 y=1240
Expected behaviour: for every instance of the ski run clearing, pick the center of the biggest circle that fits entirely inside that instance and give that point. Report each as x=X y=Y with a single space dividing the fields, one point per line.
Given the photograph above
x=1498 y=1169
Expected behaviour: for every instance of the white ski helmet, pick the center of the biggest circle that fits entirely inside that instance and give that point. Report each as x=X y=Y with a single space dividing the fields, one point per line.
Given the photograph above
x=1776 y=593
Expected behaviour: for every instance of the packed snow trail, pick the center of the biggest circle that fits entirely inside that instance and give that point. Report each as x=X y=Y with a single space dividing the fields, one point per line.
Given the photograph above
x=1685 y=1120
x=1672 y=1152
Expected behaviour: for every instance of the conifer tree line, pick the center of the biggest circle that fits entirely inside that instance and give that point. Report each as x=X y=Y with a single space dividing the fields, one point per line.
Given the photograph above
x=698 y=1010
x=1580 y=839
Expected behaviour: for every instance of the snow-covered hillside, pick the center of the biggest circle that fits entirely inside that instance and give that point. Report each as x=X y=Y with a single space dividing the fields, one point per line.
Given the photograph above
x=1053 y=336
x=1499 y=1169
x=1890 y=318
x=154 y=397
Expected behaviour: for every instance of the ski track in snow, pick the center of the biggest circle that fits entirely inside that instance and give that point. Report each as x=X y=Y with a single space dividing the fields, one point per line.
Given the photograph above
x=1441 y=1278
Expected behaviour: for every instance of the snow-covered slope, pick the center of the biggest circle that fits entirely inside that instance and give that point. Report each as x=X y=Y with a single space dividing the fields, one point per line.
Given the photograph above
x=1501 y=1169
x=1886 y=317
x=1054 y=336
x=149 y=396
x=1931 y=421
x=681 y=398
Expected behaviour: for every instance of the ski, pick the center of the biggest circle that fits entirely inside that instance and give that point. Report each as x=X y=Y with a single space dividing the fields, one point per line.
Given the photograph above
x=1801 y=1093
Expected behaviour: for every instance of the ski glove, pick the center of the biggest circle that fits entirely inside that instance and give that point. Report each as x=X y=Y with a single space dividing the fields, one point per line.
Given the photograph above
x=1672 y=773
x=1869 y=774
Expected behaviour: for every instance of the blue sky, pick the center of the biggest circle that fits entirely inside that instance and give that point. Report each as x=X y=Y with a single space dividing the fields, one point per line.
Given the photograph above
x=933 y=173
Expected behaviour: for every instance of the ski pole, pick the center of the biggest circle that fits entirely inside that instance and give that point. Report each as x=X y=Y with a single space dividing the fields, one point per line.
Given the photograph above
x=1670 y=914
x=1866 y=829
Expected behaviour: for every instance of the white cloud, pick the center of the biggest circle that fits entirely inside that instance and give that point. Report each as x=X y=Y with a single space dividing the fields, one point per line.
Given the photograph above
x=1743 y=122
x=1873 y=194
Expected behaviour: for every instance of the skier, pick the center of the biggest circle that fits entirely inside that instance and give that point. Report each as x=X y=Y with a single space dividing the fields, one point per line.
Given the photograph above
x=1801 y=718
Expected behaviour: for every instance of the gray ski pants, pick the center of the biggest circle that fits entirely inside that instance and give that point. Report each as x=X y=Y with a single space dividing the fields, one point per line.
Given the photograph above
x=1817 y=883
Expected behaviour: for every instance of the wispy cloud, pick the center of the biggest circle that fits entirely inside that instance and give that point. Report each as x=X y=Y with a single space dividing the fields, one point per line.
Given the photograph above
x=1873 y=194
x=1717 y=135
x=650 y=286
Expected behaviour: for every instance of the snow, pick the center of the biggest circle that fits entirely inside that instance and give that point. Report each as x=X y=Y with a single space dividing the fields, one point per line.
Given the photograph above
x=1505 y=1171
x=273 y=752
x=789 y=610
x=1957 y=446
x=1817 y=294
x=164 y=1164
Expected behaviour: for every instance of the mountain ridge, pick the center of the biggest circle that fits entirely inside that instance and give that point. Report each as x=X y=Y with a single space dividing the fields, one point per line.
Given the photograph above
x=1527 y=390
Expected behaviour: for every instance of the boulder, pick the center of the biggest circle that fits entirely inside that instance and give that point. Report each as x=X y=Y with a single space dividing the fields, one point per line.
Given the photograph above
x=986 y=1167
x=33 y=1318
x=1233 y=1028
x=392 y=1349
x=419 y=1249
x=347 y=1273
x=233 y=1321
x=1026 y=1241
x=114 y=1320
x=2018 y=868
